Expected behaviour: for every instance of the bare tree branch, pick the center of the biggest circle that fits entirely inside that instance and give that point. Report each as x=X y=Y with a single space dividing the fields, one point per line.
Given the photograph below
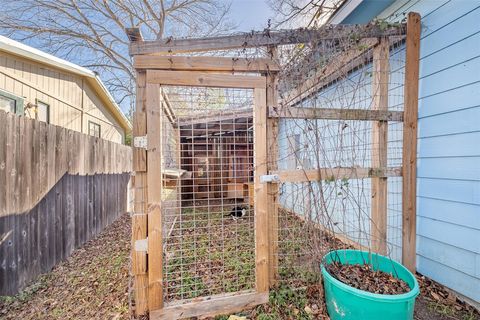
x=92 y=32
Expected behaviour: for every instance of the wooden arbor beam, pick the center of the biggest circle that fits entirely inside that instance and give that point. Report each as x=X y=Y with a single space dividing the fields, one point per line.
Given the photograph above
x=203 y=79
x=379 y=208
x=339 y=173
x=409 y=188
x=263 y=38
x=336 y=114
x=205 y=63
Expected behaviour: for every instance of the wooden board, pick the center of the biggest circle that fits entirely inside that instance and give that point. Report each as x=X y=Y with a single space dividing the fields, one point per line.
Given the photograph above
x=409 y=187
x=202 y=79
x=380 y=79
x=140 y=123
x=272 y=165
x=324 y=34
x=154 y=196
x=261 y=192
x=335 y=174
x=336 y=114
x=210 y=306
x=204 y=63
x=337 y=67
x=139 y=217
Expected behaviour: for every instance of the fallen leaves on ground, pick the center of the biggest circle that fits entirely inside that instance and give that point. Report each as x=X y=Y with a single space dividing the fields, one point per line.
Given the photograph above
x=91 y=284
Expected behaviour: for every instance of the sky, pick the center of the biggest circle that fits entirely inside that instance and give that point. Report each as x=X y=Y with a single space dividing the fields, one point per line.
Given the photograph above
x=250 y=14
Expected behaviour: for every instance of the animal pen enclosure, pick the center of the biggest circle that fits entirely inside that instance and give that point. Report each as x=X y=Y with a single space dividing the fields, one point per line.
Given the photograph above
x=312 y=133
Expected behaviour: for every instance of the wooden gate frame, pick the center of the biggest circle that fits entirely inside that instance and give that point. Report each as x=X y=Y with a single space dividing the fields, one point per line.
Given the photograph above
x=152 y=72
x=179 y=70
x=219 y=304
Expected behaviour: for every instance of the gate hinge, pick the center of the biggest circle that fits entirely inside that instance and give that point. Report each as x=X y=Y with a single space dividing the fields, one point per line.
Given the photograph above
x=140 y=142
x=274 y=178
x=141 y=245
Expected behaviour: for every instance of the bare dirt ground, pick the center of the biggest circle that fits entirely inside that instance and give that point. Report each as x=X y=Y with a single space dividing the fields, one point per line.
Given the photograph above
x=93 y=284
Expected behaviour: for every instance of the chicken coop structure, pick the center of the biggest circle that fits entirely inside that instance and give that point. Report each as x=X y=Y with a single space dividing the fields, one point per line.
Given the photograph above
x=230 y=158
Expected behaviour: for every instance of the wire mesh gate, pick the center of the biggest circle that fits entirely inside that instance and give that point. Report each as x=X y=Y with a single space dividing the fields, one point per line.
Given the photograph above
x=207 y=236
x=207 y=210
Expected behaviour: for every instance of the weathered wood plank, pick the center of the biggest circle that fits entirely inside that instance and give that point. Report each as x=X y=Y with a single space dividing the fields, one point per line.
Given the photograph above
x=409 y=187
x=204 y=63
x=139 y=218
x=210 y=306
x=380 y=79
x=58 y=222
x=140 y=123
x=154 y=196
x=336 y=114
x=261 y=192
x=16 y=171
x=10 y=161
x=3 y=158
x=202 y=79
x=325 y=34
x=49 y=219
x=336 y=174
x=27 y=178
x=272 y=165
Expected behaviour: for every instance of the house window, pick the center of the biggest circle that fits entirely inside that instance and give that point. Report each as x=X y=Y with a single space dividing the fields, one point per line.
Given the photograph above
x=43 y=112
x=94 y=129
x=10 y=102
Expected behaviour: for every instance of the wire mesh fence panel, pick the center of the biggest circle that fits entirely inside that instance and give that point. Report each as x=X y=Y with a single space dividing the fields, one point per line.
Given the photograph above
x=207 y=207
x=334 y=208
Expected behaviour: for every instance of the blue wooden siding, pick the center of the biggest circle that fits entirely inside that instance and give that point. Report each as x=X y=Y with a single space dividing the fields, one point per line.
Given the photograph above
x=351 y=216
x=448 y=225
x=448 y=208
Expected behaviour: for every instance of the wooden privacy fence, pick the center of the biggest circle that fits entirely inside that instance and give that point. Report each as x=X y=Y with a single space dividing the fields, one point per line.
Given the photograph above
x=58 y=189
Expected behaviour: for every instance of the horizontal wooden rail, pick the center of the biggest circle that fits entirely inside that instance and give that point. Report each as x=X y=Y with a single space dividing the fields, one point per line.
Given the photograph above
x=202 y=79
x=204 y=63
x=336 y=174
x=262 y=38
x=210 y=306
x=338 y=67
x=224 y=118
x=336 y=114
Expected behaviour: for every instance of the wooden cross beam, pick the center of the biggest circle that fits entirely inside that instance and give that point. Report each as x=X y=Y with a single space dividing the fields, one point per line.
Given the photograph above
x=189 y=63
x=264 y=38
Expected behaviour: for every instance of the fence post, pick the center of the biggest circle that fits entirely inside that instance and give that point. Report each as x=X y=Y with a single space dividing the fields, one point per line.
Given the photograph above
x=154 y=196
x=261 y=194
x=380 y=78
x=409 y=166
x=272 y=145
x=139 y=217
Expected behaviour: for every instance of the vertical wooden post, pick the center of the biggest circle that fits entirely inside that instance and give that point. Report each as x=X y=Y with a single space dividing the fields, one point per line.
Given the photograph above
x=272 y=165
x=154 y=192
x=139 y=217
x=380 y=78
x=409 y=166
x=261 y=192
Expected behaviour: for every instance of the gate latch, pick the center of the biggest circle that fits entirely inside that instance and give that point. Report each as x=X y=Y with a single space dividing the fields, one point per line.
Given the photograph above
x=274 y=178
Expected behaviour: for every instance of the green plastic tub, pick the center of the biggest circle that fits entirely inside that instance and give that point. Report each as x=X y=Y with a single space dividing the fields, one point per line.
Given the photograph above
x=347 y=303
